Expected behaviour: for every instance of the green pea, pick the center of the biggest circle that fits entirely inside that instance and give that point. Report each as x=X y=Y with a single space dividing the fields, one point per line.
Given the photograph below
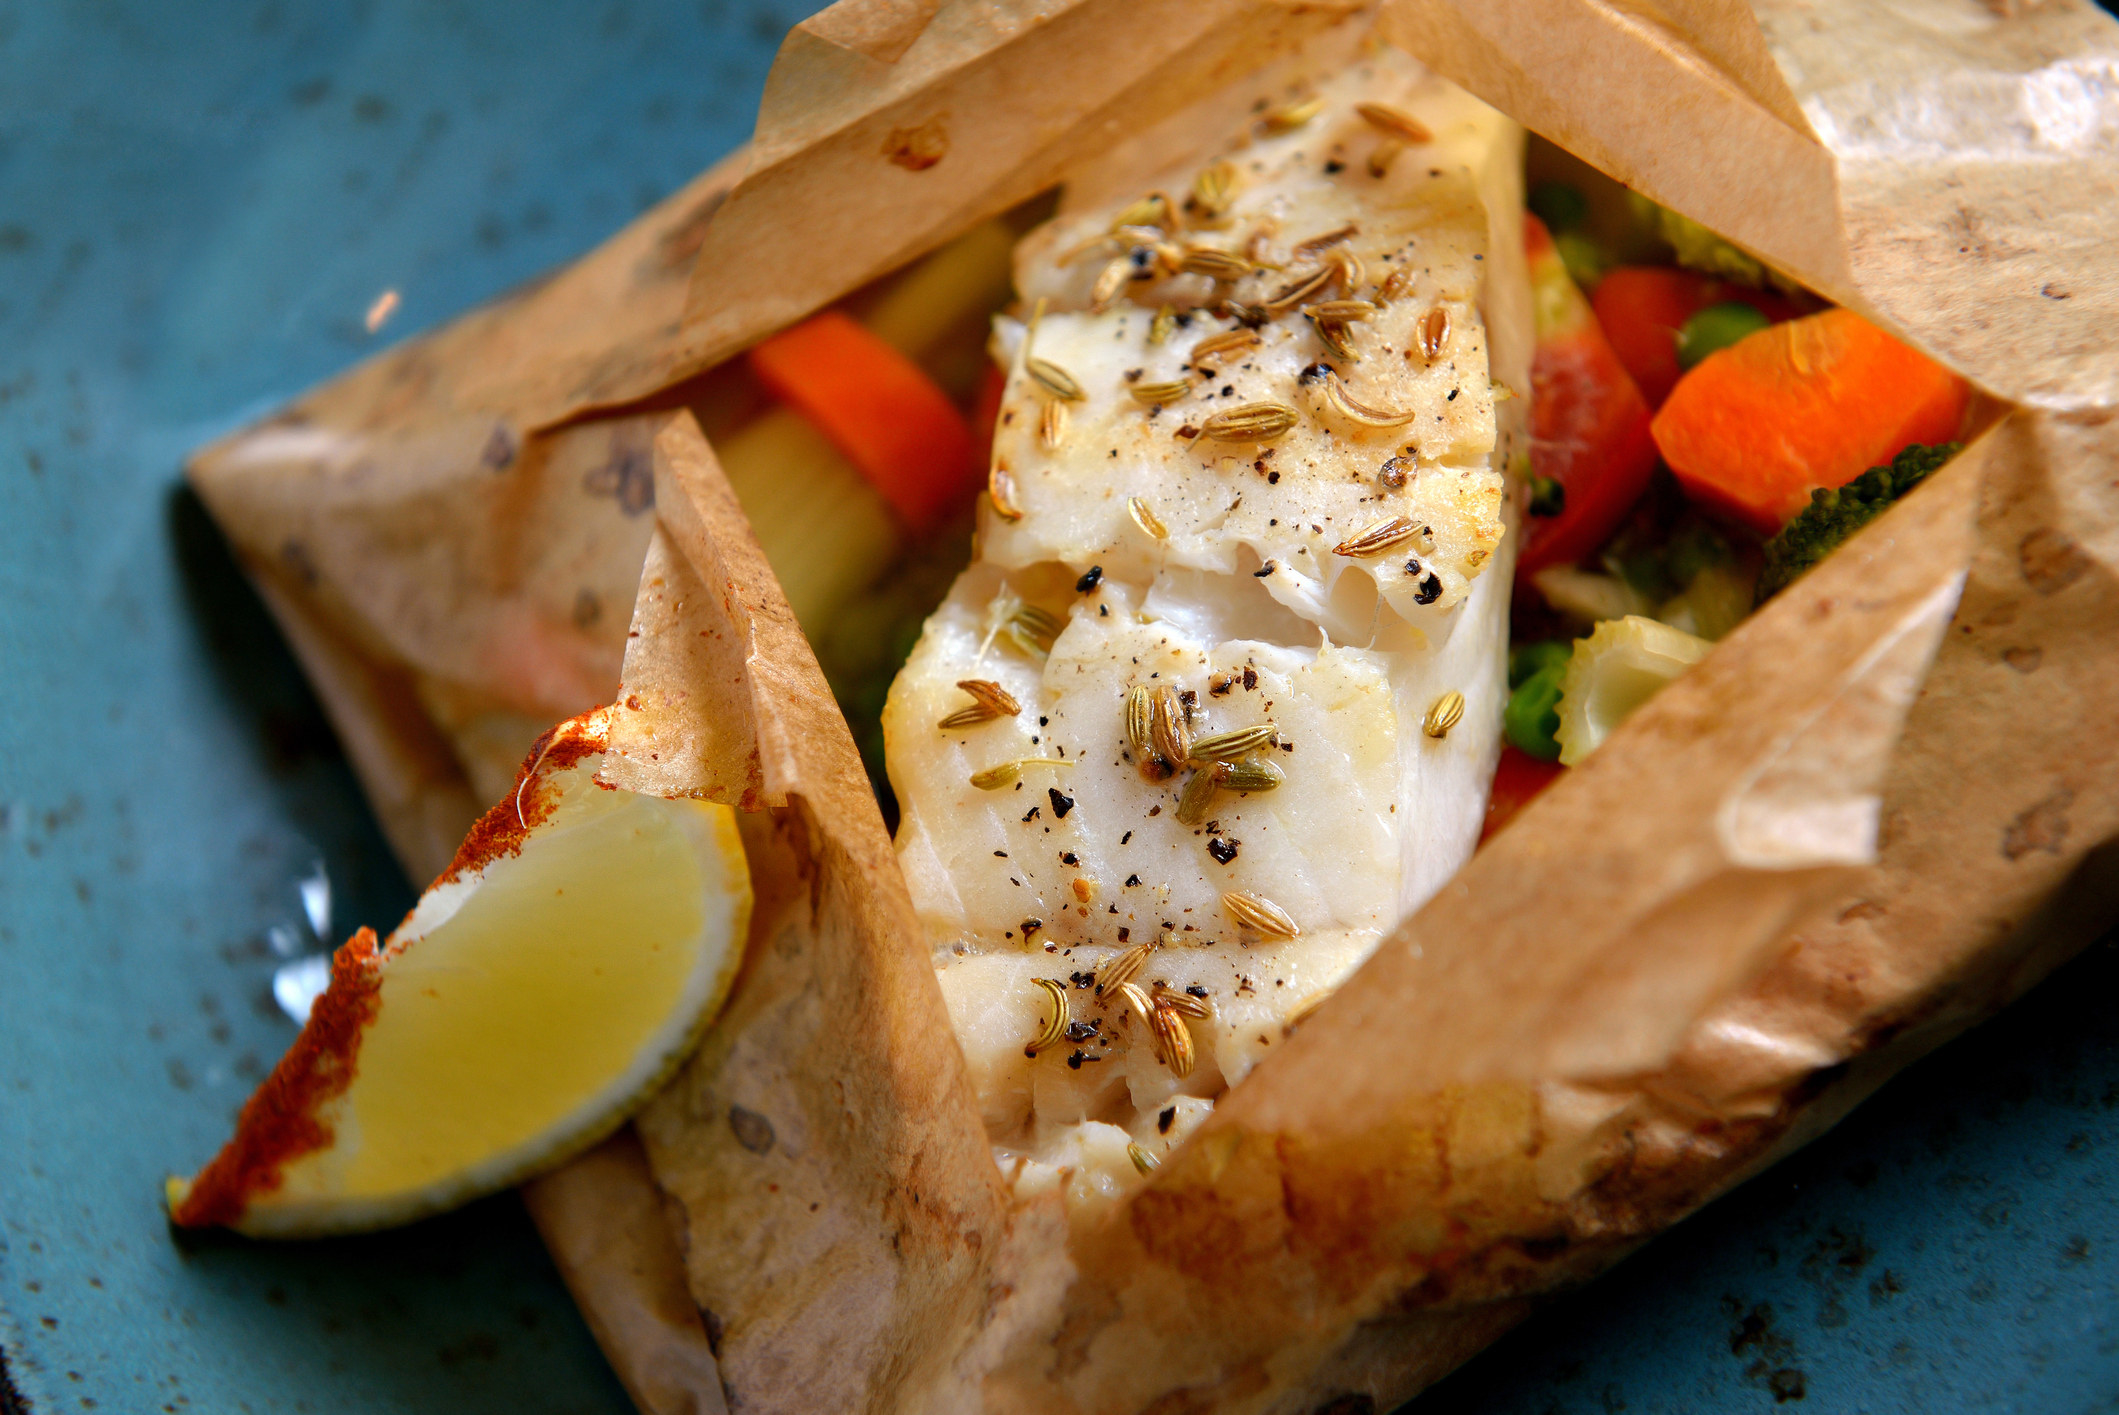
x=1547 y=497
x=1526 y=659
x=1715 y=328
x=1560 y=206
x=1532 y=718
x=1584 y=258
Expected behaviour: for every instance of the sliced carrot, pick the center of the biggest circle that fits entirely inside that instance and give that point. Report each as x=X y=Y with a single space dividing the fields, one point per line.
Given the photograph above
x=1517 y=781
x=1588 y=425
x=876 y=406
x=1642 y=307
x=1811 y=403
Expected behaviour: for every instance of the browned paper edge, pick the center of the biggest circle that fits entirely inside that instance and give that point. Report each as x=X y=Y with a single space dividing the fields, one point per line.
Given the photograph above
x=602 y=1219
x=842 y=1215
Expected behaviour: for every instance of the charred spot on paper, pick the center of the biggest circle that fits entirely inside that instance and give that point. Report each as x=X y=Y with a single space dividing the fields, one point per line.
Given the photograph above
x=628 y=478
x=918 y=148
x=2042 y=827
x=2051 y=561
x=752 y=1130
x=499 y=452
x=682 y=241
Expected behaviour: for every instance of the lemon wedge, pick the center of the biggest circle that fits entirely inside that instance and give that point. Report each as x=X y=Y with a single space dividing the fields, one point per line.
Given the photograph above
x=542 y=988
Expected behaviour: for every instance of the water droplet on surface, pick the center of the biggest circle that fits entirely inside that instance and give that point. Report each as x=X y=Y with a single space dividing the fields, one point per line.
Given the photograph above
x=296 y=986
x=316 y=901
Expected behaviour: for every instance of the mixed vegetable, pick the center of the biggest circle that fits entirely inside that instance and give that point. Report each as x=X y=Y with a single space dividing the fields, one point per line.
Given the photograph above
x=1703 y=431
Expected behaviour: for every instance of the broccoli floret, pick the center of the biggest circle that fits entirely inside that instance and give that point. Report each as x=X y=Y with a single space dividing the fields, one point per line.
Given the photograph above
x=1834 y=513
x=1560 y=206
x=1698 y=248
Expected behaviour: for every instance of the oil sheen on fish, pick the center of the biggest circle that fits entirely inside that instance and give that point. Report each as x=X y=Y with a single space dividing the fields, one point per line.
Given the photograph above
x=1247 y=534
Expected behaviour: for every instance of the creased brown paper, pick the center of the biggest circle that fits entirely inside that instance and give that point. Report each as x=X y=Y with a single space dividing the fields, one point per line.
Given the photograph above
x=1943 y=166
x=842 y=1214
x=602 y=1217
x=1870 y=818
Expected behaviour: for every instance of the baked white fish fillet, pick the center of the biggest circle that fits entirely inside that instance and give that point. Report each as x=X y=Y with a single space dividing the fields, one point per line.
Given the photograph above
x=1248 y=475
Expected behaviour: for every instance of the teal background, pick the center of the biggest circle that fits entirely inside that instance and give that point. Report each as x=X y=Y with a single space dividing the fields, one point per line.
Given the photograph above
x=198 y=202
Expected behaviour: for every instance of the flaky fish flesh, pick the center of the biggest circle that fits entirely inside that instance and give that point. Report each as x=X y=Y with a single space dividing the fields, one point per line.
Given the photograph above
x=1243 y=573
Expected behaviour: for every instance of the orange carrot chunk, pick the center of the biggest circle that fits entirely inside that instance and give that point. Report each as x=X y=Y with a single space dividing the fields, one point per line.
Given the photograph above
x=1814 y=402
x=876 y=406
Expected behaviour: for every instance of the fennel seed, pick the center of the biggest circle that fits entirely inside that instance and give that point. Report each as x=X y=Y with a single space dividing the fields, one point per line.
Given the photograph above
x=1212 y=190
x=1447 y=712
x=1198 y=797
x=1144 y=516
x=1159 y=328
x=1295 y=293
x=1260 y=914
x=991 y=696
x=1055 y=1027
x=1142 y=1160
x=1173 y=1039
x=1140 y=733
x=1053 y=379
x=1379 y=538
x=1249 y=422
x=1160 y=393
x=1332 y=334
x=1124 y=968
x=1214 y=263
x=1394 y=122
x=1136 y=1002
x=1351 y=271
x=1341 y=311
x=989 y=701
x=1287 y=117
x=1229 y=341
x=1032 y=630
x=1154 y=209
x=1227 y=746
x=1167 y=729
x=994 y=777
x=1355 y=411
x=1317 y=244
x=1052 y=425
x=1434 y=332
x=1109 y=282
x=1300 y=1012
x=1000 y=489
x=1246 y=777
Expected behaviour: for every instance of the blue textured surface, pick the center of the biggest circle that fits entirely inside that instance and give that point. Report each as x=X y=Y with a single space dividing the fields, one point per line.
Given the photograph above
x=197 y=204
x=1954 y=1245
